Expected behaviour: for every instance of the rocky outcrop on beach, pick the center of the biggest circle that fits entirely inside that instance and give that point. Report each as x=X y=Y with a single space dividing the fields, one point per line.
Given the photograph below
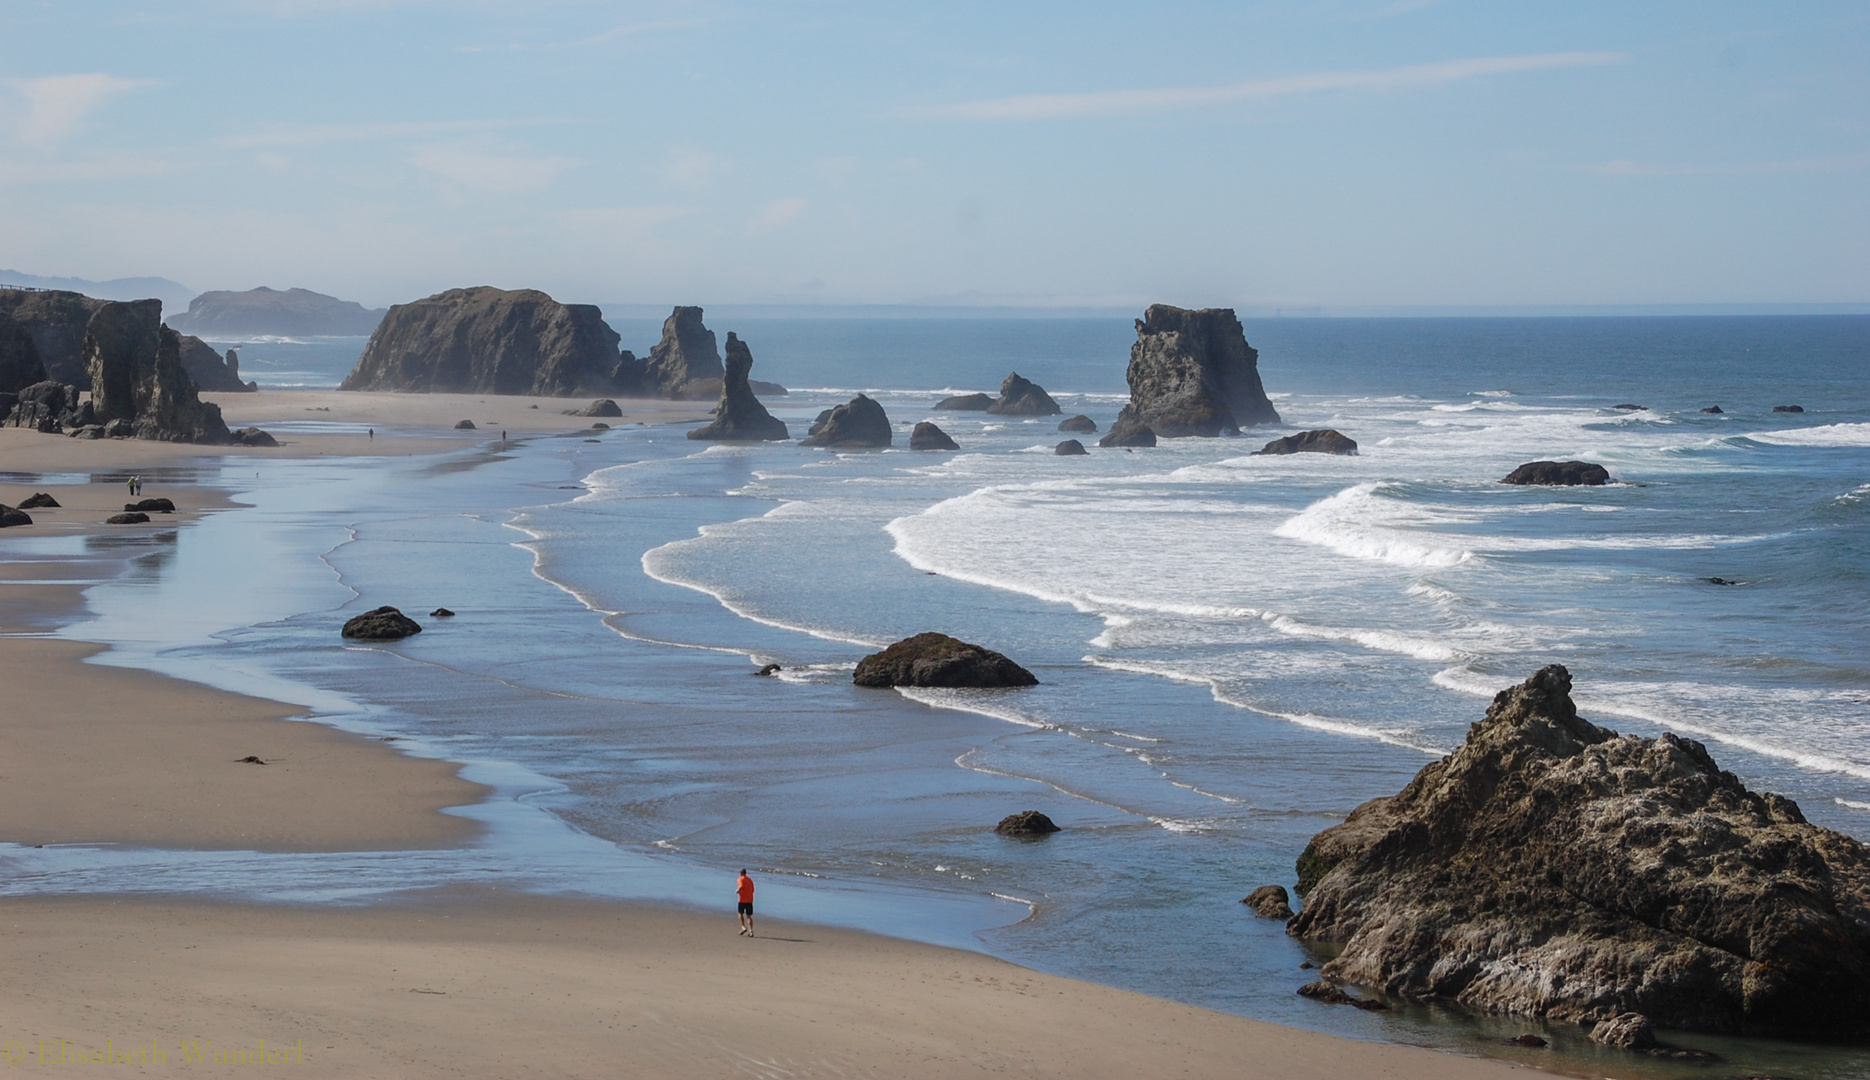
x=966 y=403
x=939 y=660
x=55 y=321
x=47 y=406
x=685 y=364
x=1558 y=474
x=739 y=417
x=1128 y=431
x=1023 y=397
x=277 y=313
x=150 y=506
x=128 y=517
x=38 y=500
x=1026 y=823
x=491 y=341
x=1070 y=448
x=20 y=365
x=1193 y=373
x=1078 y=425
x=381 y=624
x=858 y=424
x=1270 y=902
x=11 y=517
x=210 y=370
x=136 y=376
x=600 y=407
x=1550 y=867
x=927 y=436
x=251 y=436
x=1321 y=441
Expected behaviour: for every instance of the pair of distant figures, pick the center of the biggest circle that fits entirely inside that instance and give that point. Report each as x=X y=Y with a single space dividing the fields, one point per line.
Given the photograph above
x=136 y=486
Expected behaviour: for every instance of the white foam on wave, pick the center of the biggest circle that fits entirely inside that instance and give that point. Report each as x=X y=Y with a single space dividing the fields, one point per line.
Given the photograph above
x=1854 y=496
x=1852 y=803
x=989 y=703
x=1828 y=435
x=1389 y=641
x=1362 y=524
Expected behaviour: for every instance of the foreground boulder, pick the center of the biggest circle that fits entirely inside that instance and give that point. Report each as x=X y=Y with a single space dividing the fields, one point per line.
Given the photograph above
x=1078 y=425
x=927 y=436
x=11 y=517
x=1550 y=867
x=1193 y=373
x=382 y=624
x=1321 y=441
x=251 y=436
x=1026 y=823
x=858 y=424
x=966 y=403
x=939 y=660
x=740 y=417
x=491 y=341
x=136 y=376
x=1270 y=902
x=685 y=364
x=1023 y=397
x=1558 y=474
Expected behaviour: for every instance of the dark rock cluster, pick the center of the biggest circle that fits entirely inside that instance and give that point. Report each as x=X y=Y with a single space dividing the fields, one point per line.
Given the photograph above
x=1550 y=867
x=136 y=376
x=1070 y=448
x=939 y=660
x=739 y=417
x=685 y=364
x=1078 y=425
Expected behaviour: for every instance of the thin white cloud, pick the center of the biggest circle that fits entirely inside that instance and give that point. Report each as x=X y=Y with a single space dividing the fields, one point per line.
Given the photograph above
x=693 y=167
x=40 y=171
x=776 y=214
x=615 y=32
x=1139 y=102
x=55 y=104
x=489 y=174
x=618 y=223
x=1622 y=167
x=317 y=134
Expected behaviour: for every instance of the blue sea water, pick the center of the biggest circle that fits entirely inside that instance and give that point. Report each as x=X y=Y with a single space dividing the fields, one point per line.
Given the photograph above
x=1233 y=650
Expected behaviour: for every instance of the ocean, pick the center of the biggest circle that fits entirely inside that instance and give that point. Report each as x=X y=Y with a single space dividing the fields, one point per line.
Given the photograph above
x=1233 y=650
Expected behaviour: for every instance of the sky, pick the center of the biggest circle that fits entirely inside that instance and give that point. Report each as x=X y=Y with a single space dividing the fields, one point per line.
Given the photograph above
x=1342 y=152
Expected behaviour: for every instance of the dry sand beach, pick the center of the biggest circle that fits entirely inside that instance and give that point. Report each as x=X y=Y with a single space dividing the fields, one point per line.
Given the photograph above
x=474 y=982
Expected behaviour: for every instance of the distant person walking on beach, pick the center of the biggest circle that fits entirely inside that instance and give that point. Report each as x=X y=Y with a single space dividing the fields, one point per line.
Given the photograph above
x=130 y=482
x=744 y=887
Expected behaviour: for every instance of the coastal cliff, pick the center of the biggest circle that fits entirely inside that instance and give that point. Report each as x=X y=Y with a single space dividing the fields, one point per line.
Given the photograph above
x=1193 y=373
x=1550 y=867
x=491 y=341
x=55 y=321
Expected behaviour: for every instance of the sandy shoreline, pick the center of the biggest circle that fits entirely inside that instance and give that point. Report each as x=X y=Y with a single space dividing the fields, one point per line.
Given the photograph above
x=473 y=981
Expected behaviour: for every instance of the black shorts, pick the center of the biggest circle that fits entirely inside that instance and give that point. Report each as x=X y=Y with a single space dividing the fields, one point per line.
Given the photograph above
x=746 y=907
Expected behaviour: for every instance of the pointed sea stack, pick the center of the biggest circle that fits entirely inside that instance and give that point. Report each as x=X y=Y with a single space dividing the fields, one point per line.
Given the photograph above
x=1550 y=867
x=740 y=417
x=1023 y=397
x=490 y=341
x=1193 y=373
x=685 y=365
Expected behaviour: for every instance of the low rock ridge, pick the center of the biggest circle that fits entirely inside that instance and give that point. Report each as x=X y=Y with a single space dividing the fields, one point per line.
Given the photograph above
x=1321 y=441
x=1558 y=474
x=1550 y=867
x=966 y=403
x=1193 y=373
x=740 y=416
x=277 y=312
x=491 y=341
x=939 y=660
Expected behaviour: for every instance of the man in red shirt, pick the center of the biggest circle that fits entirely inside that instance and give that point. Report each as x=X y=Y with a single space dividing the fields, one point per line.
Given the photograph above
x=744 y=887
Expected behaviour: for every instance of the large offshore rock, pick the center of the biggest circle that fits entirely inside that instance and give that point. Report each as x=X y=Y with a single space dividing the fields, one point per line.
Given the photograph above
x=20 y=365
x=275 y=312
x=492 y=341
x=939 y=660
x=685 y=364
x=1558 y=474
x=1193 y=373
x=1550 y=867
x=858 y=424
x=210 y=370
x=1078 y=425
x=55 y=321
x=740 y=416
x=927 y=436
x=1023 y=397
x=1321 y=441
x=136 y=376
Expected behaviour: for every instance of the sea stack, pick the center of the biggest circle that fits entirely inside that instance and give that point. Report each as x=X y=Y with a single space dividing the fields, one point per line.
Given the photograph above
x=136 y=376
x=740 y=417
x=491 y=341
x=859 y=424
x=1193 y=373
x=684 y=365
x=1023 y=397
x=1550 y=867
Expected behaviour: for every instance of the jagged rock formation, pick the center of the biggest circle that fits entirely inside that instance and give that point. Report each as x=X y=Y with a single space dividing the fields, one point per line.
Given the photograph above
x=491 y=341
x=740 y=416
x=1270 y=902
x=136 y=375
x=381 y=624
x=264 y=311
x=939 y=660
x=966 y=403
x=1550 y=867
x=1558 y=474
x=1193 y=373
x=1070 y=448
x=685 y=364
x=857 y=424
x=20 y=365
x=1026 y=823
x=210 y=370
x=55 y=321
x=1078 y=425
x=1128 y=431
x=1023 y=397
x=1321 y=441
x=48 y=406
x=927 y=436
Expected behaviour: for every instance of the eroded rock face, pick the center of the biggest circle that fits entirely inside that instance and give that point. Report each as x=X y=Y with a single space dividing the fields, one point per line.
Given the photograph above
x=1193 y=373
x=927 y=436
x=740 y=416
x=136 y=376
x=46 y=406
x=966 y=403
x=1558 y=474
x=1321 y=441
x=20 y=365
x=685 y=364
x=1550 y=867
x=1023 y=397
x=381 y=624
x=1078 y=425
x=210 y=370
x=55 y=321
x=858 y=424
x=492 y=341
x=1026 y=823
x=939 y=660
